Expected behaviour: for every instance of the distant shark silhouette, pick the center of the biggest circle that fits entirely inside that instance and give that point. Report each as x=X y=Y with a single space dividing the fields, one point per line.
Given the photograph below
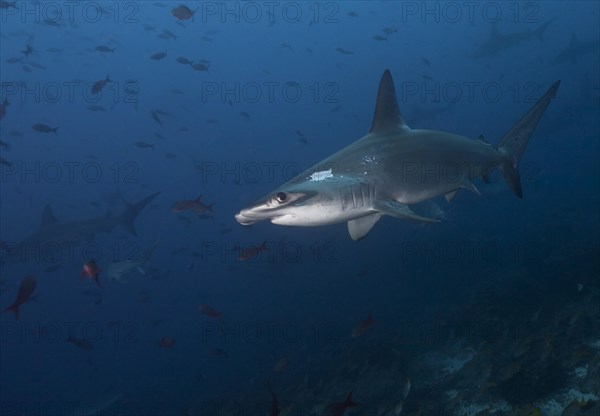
x=498 y=42
x=52 y=231
x=576 y=50
x=119 y=269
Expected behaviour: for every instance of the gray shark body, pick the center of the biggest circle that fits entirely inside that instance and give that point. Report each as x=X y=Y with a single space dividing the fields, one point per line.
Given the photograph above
x=576 y=49
x=392 y=170
x=498 y=42
x=53 y=231
x=119 y=269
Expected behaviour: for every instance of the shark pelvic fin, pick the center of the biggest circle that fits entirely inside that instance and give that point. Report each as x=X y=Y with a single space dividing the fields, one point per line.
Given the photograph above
x=467 y=184
x=387 y=117
x=482 y=139
x=402 y=211
x=451 y=195
x=359 y=227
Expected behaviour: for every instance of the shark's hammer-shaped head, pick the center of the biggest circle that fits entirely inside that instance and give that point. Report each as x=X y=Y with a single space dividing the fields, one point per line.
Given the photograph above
x=337 y=189
x=280 y=206
x=312 y=198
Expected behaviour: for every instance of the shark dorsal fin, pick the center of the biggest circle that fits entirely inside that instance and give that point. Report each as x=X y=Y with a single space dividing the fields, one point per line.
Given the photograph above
x=387 y=116
x=48 y=217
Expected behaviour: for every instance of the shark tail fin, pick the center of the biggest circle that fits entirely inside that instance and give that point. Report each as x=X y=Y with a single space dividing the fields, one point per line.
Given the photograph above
x=513 y=144
x=132 y=211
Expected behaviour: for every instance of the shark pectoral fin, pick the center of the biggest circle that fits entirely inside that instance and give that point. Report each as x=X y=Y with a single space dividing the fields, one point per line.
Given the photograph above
x=428 y=209
x=450 y=195
x=359 y=227
x=402 y=211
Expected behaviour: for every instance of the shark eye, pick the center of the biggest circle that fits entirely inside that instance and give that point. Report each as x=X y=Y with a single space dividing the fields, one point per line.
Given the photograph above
x=281 y=197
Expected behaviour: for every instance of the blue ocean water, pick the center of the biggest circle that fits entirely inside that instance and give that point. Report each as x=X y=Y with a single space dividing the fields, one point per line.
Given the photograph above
x=494 y=309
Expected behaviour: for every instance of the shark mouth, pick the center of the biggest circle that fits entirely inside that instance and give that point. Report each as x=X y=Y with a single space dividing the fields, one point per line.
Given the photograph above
x=247 y=217
x=244 y=220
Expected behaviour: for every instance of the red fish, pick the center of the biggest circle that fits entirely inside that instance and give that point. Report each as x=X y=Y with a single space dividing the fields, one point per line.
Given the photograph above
x=363 y=326
x=252 y=251
x=338 y=409
x=25 y=290
x=209 y=311
x=195 y=205
x=91 y=271
x=166 y=342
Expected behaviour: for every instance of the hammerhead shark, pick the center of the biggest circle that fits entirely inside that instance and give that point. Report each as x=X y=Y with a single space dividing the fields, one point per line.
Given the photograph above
x=52 y=231
x=393 y=168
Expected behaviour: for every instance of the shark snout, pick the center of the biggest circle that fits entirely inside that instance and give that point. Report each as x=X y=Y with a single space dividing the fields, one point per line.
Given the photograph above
x=248 y=217
x=244 y=219
x=280 y=204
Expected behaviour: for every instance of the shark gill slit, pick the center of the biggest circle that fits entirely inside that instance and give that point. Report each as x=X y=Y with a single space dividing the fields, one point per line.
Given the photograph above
x=362 y=195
